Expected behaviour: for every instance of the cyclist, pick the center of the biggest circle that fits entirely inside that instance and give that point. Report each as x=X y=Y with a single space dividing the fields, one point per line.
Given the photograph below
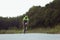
x=25 y=23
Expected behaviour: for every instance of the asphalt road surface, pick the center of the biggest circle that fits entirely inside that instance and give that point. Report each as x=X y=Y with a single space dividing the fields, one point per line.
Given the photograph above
x=30 y=36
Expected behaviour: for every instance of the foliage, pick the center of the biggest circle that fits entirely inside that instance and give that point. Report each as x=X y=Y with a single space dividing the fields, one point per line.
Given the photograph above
x=47 y=16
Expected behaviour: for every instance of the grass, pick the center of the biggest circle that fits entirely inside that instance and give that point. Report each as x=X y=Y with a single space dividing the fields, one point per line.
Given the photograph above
x=55 y=30
x=10 y=31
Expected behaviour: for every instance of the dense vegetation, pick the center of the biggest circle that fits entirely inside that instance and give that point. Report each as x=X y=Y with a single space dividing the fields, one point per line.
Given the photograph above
x=47 y=16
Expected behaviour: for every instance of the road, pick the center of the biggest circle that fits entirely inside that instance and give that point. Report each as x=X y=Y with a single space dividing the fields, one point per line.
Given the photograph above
x=30 y=36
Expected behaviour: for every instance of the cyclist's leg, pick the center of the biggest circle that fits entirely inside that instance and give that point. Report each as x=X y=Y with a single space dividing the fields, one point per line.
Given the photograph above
x=24 y=27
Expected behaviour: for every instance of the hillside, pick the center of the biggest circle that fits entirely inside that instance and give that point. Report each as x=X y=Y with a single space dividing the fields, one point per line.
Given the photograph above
x=40 y=17
x=47 y=16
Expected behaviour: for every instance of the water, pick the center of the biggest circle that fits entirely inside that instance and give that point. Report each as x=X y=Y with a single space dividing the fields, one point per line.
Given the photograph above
x=30 y=36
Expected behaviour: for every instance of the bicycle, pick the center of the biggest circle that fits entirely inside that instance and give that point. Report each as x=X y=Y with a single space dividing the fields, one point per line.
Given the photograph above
x=25 y=27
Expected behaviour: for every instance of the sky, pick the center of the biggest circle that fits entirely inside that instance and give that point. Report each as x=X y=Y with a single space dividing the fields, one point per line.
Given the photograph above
x=14 y=8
